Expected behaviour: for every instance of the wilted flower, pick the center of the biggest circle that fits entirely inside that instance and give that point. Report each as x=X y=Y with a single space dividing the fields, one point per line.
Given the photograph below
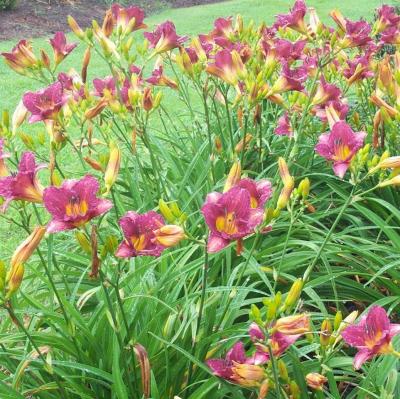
x=294 y=19
x=45 y=104
x=60 y=46
x=279 y=343
x=159 y=79
x=146 y=235
x=128 y=19
x=316 y=381
x=371 y=336
x=23 y=185
x=237 y=367
x=229 y=217
x=74 y=203
x=227 y=66
x=340 y=146
x=21 y=57
x=284 y=128
x=164 y=38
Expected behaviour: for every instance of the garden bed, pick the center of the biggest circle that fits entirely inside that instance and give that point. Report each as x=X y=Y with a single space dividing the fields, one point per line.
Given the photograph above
x=34 y=18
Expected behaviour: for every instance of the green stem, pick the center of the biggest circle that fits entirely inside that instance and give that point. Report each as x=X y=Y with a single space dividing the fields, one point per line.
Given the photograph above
x=327 y=237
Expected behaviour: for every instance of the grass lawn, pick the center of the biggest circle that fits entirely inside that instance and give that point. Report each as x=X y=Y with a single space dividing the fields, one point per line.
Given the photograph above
x=188 y=21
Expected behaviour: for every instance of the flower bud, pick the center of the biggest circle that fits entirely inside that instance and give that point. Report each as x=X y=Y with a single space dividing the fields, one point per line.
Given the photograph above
x=264 y=388
x=144 y=364
x=113 y=166
x=166 y=211
x=94 y=164
x=96 y=110
x=218 y=144
x=94 y=272
x=83 y=242
x=316 y=381
x=14 y=279
x=85 y=64
x=294 y=390
x=292 y=325
x=3 y=274
x=147 y=99
x=293 y=294
x=283 y=373
x=75 y=27
x=304 y=188
x=233 y=176
x=248 y=374
x=338 y=319
x=243 y=143
x=326 y=331
x=18 y=117
x=27 y=247
x=169 y=235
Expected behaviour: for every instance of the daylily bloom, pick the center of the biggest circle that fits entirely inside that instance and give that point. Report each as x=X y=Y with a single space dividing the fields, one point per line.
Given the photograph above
x=60 y=46
x=21 y=57
x=45 y=104
x=326 y=92
x=238 y=368
x=104 y=87
x=3 y=156
x=290 y=79
x=164 y=38
x=146 y=235
x=339 y=108
x=159 y=79
x=371 y=336
x=316 y=381
x=23 y=185
x=294 y=19
x=386 y=17
x=128 y=19
x=391 y=35
x=74 y=203
x=357 y=34
x=260 y=191
x=222 y=28
x=340 y=146
x=289 y=51
x=229 y=217
x=227 y=66
x=284 y=128
x=358 y=69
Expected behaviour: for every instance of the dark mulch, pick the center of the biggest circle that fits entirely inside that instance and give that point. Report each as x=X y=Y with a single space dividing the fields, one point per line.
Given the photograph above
x=33 y=18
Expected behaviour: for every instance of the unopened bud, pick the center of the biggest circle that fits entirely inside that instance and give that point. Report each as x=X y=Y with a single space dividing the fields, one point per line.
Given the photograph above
x=113 y=166
x=316 y=381
x=326 y=331
x=166 y=211
x=293 y=294
x=169 y=235
x=233 y=176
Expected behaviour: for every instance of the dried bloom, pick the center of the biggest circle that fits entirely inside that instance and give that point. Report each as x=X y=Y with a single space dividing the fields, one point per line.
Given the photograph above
x=24 y=185
x=74 y=203
x=340 y=146
x=316 y=381
x=371 y=336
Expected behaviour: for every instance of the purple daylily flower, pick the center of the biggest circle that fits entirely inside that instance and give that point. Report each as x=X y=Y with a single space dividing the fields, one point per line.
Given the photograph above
x=371 y=336
x=340 y=146
x=140 y=235
x=164 y=37
x=129 y=19
x=74 y=203
x=60 y=46
x=284 y=128
x=45 y=104
x=294 y=19
x=230 y=217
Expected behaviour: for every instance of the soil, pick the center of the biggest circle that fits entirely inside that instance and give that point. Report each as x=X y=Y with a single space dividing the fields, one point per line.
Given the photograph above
x=34 y=18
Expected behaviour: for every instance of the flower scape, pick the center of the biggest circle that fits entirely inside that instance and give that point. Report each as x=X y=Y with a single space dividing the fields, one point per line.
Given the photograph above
x=212 y=216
